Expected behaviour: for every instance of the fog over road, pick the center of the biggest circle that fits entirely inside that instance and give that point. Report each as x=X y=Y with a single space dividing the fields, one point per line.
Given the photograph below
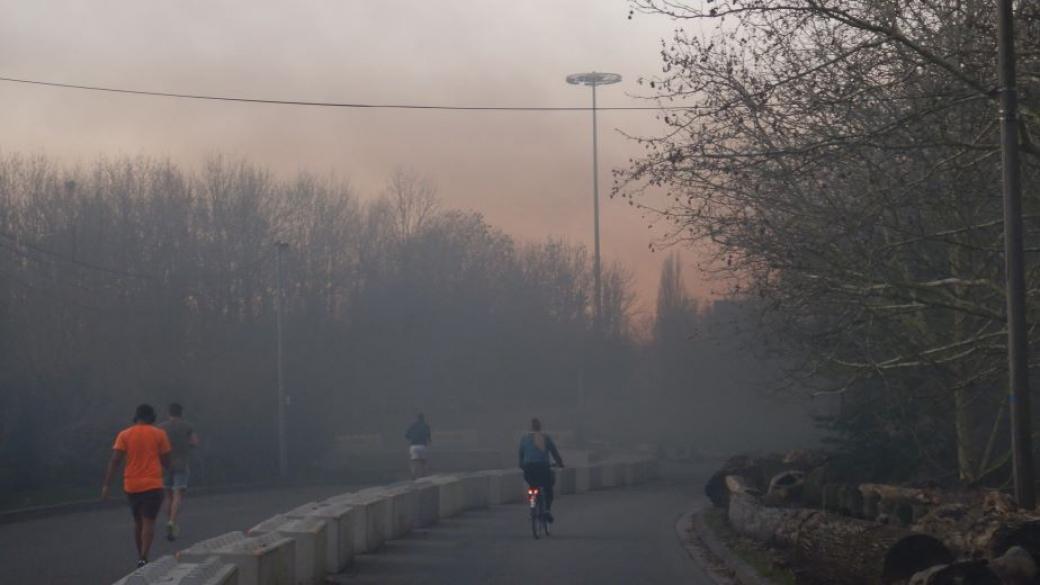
x=623 y=535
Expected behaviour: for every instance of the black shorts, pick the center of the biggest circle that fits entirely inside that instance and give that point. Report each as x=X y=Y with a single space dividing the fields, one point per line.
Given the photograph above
x=145 y=504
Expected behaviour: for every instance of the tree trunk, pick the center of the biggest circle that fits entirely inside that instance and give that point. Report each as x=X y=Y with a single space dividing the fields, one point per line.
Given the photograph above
x=835 y=549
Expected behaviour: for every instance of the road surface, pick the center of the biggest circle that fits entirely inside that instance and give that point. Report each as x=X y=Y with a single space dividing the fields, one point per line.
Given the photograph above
x=623 y=535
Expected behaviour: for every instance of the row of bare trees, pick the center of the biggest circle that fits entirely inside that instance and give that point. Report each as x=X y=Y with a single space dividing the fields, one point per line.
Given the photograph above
x=131 y=280
x=843 y=158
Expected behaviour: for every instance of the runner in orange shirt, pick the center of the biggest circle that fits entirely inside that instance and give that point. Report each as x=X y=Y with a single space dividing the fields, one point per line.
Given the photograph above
x=146 y=450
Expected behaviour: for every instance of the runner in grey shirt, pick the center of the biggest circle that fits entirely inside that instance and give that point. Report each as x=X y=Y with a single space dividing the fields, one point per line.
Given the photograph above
x=182 y=440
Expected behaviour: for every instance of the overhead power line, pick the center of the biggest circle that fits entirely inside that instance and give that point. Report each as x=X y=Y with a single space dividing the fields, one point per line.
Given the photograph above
x=19 y=242
x=320 y=104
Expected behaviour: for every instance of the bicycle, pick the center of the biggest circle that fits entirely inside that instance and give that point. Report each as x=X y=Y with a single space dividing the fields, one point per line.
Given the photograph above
x=539 y=516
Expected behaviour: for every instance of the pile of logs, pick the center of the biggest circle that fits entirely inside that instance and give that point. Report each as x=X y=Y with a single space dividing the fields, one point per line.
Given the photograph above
x=850 y=534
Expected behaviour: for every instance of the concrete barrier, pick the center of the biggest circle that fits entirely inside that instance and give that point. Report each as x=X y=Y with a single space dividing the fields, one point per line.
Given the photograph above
x=451 y=494
x=341 y=521
x=653 y=469
x=511 y=487
x=566 y=480
x=428 y=500
x=582 y=479
x=622 y=473
x=371 y=512
x=402 y=508
x=476 y=489
x=505 y=486
x=167 y=571
x=312 y=545
x=268 y=559
x=595 y=477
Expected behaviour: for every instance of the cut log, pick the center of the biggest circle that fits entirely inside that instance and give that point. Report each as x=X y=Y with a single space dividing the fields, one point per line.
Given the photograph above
x=836 y=549
x=895 y=493
x=1015 y=567
x=786 y=486
x=756 y=470
x=737 y=484
x=759 y=470
x=974 y=572
x=972 y=532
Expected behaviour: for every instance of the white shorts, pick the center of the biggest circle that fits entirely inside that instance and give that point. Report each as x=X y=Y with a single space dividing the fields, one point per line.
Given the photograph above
x=417 y=452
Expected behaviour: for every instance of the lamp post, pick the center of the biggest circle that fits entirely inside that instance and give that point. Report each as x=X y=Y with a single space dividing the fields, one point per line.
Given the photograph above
x=283 y=451
x=593 y=80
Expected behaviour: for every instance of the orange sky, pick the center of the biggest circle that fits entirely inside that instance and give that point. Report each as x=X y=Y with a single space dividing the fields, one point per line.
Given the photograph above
x=529 y=173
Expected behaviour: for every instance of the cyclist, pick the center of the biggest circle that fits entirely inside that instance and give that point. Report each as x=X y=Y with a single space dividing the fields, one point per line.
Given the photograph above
x=535 y=449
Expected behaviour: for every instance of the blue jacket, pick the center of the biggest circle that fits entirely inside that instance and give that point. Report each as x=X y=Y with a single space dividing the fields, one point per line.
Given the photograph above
x=530 y=453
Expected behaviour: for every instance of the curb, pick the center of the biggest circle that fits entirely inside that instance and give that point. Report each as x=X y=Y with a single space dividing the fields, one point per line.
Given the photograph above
x=744 y=573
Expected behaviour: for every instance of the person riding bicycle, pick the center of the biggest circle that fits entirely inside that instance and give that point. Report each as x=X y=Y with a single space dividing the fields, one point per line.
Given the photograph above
x=535 y=449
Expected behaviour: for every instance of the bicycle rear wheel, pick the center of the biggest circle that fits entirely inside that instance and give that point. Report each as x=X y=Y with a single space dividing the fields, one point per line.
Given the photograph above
x=536 y=517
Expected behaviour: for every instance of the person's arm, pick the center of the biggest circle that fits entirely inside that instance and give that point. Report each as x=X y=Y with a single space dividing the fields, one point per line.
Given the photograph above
x=113 y=464
x=554 y=452
x=521 y=455
x=193 y=439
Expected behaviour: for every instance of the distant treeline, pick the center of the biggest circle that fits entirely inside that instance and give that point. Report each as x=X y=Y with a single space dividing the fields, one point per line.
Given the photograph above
x=136 y=280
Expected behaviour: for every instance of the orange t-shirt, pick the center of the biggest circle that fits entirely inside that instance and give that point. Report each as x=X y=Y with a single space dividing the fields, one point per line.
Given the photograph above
x=143 y=444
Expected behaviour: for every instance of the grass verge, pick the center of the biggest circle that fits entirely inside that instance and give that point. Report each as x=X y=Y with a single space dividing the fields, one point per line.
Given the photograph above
x=760 y=558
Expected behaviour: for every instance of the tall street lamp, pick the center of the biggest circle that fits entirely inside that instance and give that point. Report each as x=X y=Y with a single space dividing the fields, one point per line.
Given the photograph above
x=593 y=80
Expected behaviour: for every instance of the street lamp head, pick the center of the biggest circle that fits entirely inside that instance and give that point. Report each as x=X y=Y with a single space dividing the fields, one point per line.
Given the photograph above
x=593 y=78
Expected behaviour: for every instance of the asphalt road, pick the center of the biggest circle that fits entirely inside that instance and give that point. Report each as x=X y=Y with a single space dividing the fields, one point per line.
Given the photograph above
x=97 y=548
x=625 y=536
x=615 y=536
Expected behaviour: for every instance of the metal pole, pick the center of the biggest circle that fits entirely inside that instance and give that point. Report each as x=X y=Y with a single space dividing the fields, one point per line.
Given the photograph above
x=283 y=454
x=595 y=214
x=1018 y=346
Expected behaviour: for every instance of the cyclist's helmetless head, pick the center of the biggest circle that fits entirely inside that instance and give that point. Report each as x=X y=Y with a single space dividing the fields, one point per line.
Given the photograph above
x=536 y=425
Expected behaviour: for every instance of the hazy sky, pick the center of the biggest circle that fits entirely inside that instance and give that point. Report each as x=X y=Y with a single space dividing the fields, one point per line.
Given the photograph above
x=528 y=172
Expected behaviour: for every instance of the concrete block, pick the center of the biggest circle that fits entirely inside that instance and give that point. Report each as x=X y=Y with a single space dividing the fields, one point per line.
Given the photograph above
x=582 y=479
x=268 y=559
x=403 y=510
x=371 y=519
x=622 y=473
x=596 y=476
x=565 y=480
x=512 y=487
x=640 y=471
x=476 y=490
x=494 y=478
x=341 y=520
x=428 y=499
x=312 y=545
x=653 y=469
x=167 y=571
x=451 y=494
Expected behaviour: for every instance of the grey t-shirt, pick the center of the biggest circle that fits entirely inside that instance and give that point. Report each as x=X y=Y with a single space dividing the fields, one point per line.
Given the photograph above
x=179 y=432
